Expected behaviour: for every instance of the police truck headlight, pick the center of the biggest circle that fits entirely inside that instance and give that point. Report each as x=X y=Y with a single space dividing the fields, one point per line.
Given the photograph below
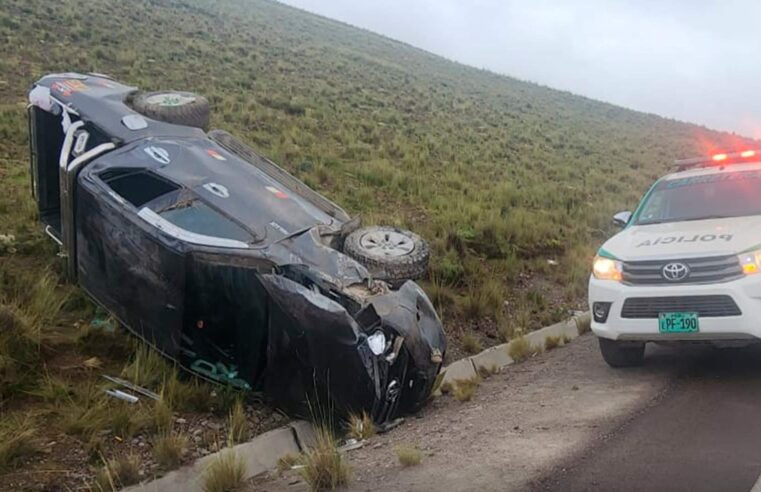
x=607 y=269
x=751 y=262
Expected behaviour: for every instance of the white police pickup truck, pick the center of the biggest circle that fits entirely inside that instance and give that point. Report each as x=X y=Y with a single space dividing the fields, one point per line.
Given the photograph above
x=687 y=264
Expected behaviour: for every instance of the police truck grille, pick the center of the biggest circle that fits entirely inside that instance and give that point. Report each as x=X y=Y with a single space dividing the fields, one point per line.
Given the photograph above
x=706 y=306
x=701 y=270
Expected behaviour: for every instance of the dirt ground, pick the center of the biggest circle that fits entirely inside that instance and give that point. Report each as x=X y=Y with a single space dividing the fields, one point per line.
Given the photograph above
x=521 y=424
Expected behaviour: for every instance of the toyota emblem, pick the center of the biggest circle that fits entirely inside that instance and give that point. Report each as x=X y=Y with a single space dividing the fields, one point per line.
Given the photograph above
x=674 y=272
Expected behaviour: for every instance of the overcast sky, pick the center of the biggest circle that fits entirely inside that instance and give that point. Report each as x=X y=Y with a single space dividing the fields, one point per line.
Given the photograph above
x=694 y=60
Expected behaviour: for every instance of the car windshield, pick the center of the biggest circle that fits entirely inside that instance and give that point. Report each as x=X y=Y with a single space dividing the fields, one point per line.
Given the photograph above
x=720 y=195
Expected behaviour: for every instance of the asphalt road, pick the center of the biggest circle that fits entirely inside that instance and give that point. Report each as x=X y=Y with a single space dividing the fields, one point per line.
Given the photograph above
x=702 y=432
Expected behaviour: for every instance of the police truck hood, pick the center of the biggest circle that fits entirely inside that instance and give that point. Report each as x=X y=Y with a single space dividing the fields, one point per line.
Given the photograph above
x=687 y=239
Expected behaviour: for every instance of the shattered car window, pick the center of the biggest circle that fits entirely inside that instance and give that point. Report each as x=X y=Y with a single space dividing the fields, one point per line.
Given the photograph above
x=137 y=186
x=195 y=216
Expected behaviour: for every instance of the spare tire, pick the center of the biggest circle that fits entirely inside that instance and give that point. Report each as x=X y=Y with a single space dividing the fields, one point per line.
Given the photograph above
x=390 y=254
x=180 y=108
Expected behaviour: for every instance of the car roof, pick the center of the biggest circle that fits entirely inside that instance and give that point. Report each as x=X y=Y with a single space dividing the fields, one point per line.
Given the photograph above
x=713 y=169
x=223 y=180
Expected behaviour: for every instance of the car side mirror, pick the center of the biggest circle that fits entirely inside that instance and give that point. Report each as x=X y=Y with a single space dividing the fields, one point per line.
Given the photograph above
x=621 y=219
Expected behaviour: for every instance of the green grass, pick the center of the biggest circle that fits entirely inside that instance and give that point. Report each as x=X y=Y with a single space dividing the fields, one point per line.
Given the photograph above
x=497 y=174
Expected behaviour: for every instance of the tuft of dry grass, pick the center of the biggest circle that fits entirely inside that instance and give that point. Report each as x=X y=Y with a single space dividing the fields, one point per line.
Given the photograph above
x=118 y=473
x=147 y=368
x=446 y=387
x=471 y=344
x=408 y=455
x=90 y=412
x=361 y=426
x=324 y=467
x=169 y=448
x=552 y=342
x=226 y=473
x=287 y=461
x=189 y=396
x=485 y=372
x=465 y=389
x=520 y=349
x=162 y=415
x=17 y=441
x=584 y=324
x=238 y=423
x=52 y=389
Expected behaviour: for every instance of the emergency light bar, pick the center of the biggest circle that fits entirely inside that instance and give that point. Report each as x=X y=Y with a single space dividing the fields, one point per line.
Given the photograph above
x=718 y=159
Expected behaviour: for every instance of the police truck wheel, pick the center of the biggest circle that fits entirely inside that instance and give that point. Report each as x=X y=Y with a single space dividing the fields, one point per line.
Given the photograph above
x=622 y=354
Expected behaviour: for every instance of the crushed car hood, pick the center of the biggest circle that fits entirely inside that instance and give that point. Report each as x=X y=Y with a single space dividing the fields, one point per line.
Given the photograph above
x=689 y=239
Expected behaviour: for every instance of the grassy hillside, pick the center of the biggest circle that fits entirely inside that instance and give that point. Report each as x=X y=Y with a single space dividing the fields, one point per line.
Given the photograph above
x=513 y=184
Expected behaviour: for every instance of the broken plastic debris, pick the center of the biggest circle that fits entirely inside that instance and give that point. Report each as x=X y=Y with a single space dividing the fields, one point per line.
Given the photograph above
x=40 y=97
x=123 y=396
x=133 y=387
x=377 y=342
x=350 y=445
x=103 y=320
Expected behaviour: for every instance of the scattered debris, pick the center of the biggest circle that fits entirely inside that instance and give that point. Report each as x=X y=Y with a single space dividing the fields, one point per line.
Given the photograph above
x=137 y=389
x=123 y=396
x=351 y=445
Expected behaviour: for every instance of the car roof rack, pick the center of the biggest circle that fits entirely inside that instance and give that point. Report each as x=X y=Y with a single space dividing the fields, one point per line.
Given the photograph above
x=720 y=159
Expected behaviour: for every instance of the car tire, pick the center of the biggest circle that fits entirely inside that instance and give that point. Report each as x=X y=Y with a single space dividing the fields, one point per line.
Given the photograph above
x=390 y=254
x=622 y=354
x=177 y=107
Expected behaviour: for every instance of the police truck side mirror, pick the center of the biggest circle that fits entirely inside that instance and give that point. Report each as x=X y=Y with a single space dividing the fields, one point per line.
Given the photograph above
x=622 y=218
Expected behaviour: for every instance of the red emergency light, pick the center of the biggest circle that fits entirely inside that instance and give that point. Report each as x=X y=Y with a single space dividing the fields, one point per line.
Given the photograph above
x=718 y=159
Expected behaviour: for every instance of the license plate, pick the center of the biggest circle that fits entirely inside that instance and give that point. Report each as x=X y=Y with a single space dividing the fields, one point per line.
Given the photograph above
x=678 y=322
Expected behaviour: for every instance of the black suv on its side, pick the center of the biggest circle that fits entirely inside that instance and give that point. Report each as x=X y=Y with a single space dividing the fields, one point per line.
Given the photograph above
x=223 y=261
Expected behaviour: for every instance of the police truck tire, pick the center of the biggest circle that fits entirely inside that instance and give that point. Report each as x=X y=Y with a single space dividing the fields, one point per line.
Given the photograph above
x=622 y=354
x=177 y=107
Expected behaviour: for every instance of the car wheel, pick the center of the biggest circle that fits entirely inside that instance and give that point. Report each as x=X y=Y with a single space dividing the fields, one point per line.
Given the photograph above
x=390 y=254
x=622 y=354
x=180 y=108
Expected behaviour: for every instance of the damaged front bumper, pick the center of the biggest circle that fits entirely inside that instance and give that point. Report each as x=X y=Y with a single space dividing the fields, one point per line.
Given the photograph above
x=375 y=352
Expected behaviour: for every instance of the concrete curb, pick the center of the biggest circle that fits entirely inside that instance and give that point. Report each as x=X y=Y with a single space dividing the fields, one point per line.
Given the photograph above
x=261 y=454
x=497 y=358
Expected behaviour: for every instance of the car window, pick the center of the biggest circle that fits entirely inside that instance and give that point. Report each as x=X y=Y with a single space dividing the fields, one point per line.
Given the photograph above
x=197 y=217
x=728 y=194
x=137 y=186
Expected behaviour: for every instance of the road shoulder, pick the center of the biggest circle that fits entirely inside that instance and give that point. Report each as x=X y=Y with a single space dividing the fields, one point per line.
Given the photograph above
x=520 y=424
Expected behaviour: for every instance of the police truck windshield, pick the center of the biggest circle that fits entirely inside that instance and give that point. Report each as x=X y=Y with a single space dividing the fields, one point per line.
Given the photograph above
x=710 y=196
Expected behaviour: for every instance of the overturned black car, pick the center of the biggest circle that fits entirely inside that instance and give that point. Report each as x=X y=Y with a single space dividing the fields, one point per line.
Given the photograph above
x=223 y=261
